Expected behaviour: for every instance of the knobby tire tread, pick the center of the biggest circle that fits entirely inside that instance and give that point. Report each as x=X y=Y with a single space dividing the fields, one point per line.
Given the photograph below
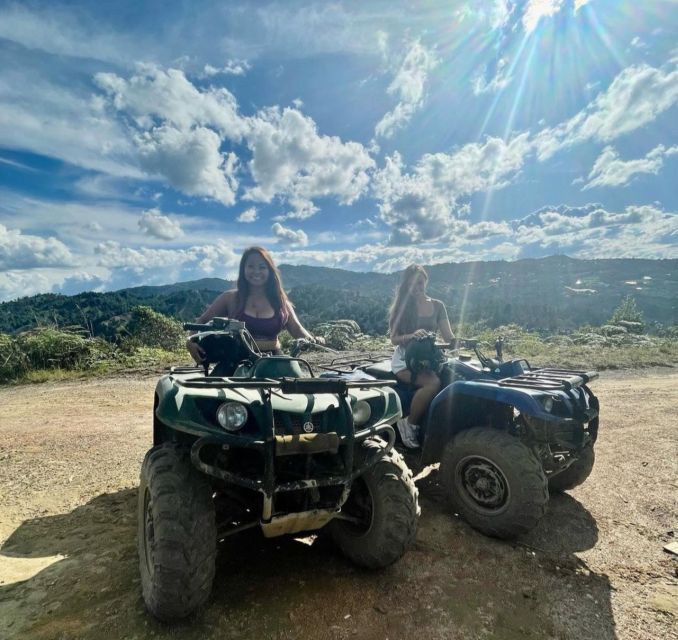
x=185 y=534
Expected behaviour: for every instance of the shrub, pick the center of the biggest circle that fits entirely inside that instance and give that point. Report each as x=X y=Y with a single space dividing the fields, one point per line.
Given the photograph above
x=149 y=328
x=13 y=363
x=50 y=348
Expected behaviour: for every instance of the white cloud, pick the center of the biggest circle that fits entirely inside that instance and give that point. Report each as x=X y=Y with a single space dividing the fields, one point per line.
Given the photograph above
x=292 y=161
x=500 y=14
x=170 y=96
x=635 y=98
x=638 y=231
x=535 y=10
x=58 y=121
x=609 y=170
x=20 y=251
x=289 y=236
x=190 y=160
x=249 y=215
x=17 y=165
x=499 y=79
x=207 y=258
x=578 y=4
x=408 y=85
x=59 y=32
x=231 y=68
x=153 y=223
x=421 y=205
x=638 y=43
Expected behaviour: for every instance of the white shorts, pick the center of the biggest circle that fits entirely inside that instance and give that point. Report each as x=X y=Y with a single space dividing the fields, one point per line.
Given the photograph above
x=398 y=359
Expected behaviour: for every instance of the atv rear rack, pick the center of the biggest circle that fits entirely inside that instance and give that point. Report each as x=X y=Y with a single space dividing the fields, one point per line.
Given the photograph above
x=550 y=379
x=347 y=365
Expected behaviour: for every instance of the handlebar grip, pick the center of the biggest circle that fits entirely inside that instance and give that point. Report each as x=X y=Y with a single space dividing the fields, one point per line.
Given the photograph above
x=194 y=326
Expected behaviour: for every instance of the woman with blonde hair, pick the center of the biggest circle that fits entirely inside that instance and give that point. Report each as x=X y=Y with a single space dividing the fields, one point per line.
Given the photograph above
x=260 y=301
x=414 y=315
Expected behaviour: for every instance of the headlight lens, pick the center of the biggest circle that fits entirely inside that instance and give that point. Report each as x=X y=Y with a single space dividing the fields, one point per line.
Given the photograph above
x=548 y=403
x=232 y=416
x=361 y=412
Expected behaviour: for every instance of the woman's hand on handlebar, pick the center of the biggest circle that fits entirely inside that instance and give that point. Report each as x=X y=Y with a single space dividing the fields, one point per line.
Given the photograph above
x=196 y=351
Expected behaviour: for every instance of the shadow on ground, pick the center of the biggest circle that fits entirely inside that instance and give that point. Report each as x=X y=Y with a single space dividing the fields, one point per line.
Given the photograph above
x=452 y=583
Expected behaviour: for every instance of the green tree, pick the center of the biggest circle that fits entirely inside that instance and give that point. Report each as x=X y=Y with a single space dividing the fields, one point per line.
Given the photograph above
x=627 y=311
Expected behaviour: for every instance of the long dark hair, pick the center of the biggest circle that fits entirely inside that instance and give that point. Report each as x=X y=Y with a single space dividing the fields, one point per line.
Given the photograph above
x=403 y=314
x=274 y=289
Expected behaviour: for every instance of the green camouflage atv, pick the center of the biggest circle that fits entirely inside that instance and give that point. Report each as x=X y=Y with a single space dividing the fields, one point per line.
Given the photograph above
x=258 y=442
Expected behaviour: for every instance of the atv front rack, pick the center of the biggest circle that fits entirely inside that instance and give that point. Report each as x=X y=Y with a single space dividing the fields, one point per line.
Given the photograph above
x=271 y=446
x=550 y=379
x=286 y=385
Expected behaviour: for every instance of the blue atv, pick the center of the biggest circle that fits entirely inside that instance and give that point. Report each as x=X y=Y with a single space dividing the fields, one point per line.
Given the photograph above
x=504 y=433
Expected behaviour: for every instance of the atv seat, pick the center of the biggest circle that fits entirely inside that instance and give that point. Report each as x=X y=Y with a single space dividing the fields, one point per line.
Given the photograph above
x=380 y=370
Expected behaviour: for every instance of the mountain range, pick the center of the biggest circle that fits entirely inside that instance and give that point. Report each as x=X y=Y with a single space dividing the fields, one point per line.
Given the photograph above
x=549 y=294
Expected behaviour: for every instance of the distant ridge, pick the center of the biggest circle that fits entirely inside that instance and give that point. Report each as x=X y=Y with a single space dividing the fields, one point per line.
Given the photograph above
x=551 y=293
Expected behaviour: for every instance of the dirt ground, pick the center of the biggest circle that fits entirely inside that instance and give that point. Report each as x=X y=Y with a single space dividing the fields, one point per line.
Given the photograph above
x=594 y=567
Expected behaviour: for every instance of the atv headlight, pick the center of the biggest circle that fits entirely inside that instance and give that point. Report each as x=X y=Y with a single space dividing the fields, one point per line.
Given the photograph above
x=548 y=404
x=361 y=413
x=231 y=416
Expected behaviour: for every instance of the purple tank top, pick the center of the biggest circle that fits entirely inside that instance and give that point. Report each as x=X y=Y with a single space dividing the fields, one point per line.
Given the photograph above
x=262 y=328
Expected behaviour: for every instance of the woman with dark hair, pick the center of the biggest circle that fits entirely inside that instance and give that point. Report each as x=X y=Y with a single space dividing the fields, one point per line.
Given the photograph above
x=260 y=301
x=414 y=315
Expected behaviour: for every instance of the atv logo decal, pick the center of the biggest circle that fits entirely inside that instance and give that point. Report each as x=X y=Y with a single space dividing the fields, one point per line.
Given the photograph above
x=308 y=427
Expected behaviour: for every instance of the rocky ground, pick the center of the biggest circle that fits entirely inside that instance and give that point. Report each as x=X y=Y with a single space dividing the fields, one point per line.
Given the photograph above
x=594 y=567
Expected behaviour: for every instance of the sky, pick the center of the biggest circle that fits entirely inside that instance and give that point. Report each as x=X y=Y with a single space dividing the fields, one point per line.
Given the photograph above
x=150 y=143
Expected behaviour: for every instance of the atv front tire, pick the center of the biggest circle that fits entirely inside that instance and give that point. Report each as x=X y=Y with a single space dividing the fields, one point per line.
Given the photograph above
x=176 y=534
x=494 y=482
x=383 y=507
x=576 y=473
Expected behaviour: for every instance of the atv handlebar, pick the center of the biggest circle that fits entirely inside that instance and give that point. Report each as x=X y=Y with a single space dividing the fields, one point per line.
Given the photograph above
x=194 y=326
x=302 y=344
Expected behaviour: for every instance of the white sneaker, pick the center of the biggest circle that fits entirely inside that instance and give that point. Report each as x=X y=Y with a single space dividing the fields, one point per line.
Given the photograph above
x=408 y=433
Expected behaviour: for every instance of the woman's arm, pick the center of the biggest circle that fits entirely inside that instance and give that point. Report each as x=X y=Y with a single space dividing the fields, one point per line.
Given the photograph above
x=295 y=327
x=403 y=338
x=444 y=324
x=222 y=306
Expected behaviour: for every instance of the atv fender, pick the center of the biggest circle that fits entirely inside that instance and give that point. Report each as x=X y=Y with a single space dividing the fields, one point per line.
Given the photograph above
x=466 y=404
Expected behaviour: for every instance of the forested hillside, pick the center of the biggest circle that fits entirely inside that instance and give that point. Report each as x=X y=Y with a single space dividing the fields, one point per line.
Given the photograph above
x=550 y=294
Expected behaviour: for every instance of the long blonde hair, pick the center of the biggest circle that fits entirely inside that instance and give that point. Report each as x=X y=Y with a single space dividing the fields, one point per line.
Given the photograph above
x=403 y=312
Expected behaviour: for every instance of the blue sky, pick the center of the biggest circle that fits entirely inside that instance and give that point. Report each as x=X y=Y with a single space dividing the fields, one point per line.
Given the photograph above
x=147 y=143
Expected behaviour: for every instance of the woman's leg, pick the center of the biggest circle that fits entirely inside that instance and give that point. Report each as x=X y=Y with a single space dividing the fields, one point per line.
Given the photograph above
x=428 y=386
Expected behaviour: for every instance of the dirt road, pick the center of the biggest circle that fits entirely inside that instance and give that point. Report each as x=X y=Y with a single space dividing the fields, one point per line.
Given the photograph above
x=594 y=568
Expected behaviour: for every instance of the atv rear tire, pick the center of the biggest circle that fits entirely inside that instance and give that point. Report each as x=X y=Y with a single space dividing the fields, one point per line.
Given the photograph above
x=576 y=473
x=494 y=482
x=176 y=534
x=385 y=507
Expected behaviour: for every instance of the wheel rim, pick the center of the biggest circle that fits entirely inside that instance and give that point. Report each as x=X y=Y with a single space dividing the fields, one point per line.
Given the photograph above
x=149 y=532
x=482 y=485
x=358 y=509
